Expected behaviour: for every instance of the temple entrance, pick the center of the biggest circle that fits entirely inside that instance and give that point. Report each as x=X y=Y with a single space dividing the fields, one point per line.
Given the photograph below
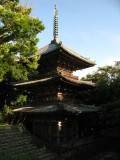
x=65 y=129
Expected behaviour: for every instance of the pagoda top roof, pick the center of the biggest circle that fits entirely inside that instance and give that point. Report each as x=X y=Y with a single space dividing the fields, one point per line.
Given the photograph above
x=55 y=45
x=58 y=76
x=51 y=108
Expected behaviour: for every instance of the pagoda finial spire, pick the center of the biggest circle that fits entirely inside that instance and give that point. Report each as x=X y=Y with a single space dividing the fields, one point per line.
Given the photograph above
x=55 y=32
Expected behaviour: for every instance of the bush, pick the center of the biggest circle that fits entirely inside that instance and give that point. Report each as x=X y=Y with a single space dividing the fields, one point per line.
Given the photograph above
x=6 y=110
x=110 y=119
x=1 y=117
x=5 y=114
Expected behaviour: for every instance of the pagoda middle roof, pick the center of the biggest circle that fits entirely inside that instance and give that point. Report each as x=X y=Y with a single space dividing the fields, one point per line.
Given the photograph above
x=65 y=107
x=59 y=76
x=53 y=46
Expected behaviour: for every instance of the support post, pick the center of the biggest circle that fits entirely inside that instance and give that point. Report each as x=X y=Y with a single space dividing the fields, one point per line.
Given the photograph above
x=49 y=132
x=58 y=135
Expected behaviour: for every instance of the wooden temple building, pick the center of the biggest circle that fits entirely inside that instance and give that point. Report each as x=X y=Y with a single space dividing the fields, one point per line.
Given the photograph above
x=57 y=111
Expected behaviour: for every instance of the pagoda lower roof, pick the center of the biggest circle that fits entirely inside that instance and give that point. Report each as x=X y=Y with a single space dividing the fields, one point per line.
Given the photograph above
x=56 y=77
x=53 y=46
x=58 y=107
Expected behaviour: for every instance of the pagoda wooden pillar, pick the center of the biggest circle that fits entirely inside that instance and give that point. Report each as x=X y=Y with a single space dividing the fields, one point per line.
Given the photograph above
x=72 y=130
x=49 y=132
x=65 y=132
x=58 y=135
x=77 y=135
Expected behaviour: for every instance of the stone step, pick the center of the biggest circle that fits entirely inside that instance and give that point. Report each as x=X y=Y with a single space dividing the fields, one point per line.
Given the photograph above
x=12 y=133
x=15 y=133
x=10 y=136
x=30 y=152
x=12 y=129
x=16 y=143
x=40 y=152
x=13 y=141
x=46 y=155
x=7 y=146
x=5 y=128
x=52 y=157
x=9 y=131
x=21 y=150
x=15 y=138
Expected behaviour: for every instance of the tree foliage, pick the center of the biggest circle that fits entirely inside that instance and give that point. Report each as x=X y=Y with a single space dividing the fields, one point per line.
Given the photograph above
x=18 y=40
x=107 y=95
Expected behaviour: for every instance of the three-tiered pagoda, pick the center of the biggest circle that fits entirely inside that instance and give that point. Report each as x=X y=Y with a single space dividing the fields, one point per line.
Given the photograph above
x=57 y=112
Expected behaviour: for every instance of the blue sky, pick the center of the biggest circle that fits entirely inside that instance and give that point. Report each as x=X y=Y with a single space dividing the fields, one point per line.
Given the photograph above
x=89 y=27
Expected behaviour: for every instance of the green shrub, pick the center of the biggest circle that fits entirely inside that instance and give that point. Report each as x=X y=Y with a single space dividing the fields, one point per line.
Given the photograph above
x=110 y=119
x=6 y=115
x=21 y=100
x=1 y=117
x=6 y=110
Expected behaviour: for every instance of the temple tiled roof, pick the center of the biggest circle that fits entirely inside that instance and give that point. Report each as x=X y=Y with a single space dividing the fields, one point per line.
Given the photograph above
x=56 y=77
x=55 y=45
x=50 y=108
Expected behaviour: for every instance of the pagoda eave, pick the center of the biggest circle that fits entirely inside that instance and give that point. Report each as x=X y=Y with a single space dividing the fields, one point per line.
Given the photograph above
x=52 y=79
x=66 y=53
x=58 y=108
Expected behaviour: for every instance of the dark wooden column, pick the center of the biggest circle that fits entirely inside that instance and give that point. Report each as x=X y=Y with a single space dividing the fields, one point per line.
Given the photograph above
x=49 y=132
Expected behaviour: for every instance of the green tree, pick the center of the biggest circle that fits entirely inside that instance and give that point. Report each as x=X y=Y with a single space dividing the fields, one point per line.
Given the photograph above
x=107 y=96
x=18 y=40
